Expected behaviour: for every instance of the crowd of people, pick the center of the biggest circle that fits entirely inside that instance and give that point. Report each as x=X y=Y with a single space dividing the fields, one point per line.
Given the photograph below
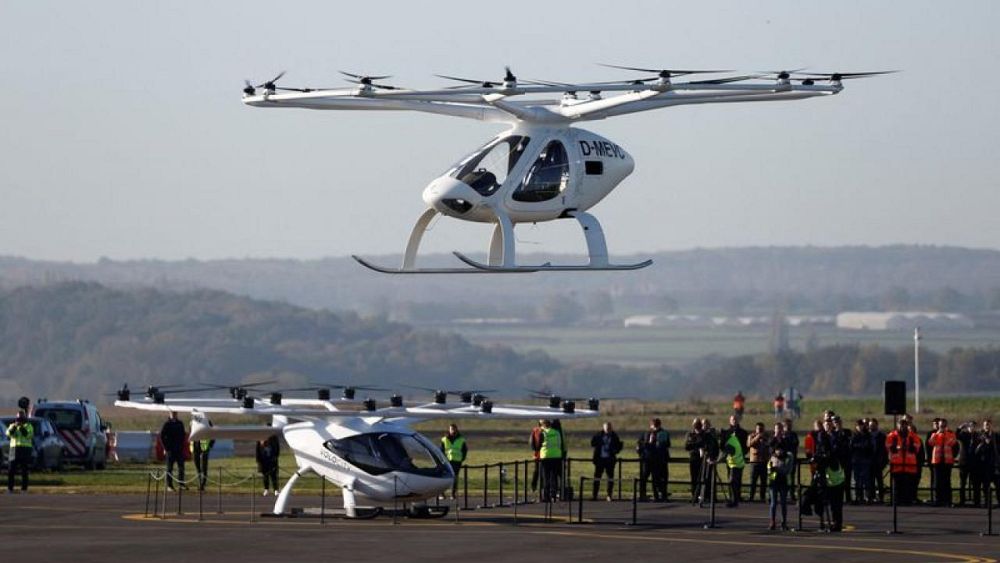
x=844 y=465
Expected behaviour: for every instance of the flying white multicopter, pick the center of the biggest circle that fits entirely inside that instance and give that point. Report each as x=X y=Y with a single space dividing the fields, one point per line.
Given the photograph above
x=542 y=168
x=371 y=453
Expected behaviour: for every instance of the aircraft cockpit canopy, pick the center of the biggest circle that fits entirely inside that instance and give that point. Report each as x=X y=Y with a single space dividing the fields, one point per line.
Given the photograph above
x=487 y=169
x=377 y=453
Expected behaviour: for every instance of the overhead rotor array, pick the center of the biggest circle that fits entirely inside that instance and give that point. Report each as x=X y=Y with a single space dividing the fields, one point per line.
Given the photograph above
x=509 y=82
x=251 y=394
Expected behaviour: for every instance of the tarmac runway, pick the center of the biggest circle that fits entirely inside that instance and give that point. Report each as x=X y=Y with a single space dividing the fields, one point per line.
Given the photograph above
x=122 y=527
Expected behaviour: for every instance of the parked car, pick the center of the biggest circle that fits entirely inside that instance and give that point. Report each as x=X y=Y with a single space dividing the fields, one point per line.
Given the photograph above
x=48 y=450
x=79 y=425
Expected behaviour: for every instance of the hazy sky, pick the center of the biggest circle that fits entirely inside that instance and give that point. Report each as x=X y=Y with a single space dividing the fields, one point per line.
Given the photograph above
x=123 y=134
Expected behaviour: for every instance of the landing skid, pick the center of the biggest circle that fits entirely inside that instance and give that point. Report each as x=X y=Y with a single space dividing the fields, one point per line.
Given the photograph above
x=548 y=266
x=501 y=255
x=385 y=270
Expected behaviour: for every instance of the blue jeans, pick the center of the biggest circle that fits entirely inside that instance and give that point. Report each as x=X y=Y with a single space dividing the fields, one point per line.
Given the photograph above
x=864 y=484
x=778 y=493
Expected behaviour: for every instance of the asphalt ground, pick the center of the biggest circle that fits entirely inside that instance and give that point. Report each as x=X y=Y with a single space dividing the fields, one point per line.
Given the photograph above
x=105 y=528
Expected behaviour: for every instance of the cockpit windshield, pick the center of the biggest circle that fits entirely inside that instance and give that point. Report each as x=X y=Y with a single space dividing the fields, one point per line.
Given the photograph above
x=381 y=452
x=487 y=169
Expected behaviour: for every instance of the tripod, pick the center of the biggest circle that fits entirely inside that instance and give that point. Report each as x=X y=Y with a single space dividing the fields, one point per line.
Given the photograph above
x=709 y=475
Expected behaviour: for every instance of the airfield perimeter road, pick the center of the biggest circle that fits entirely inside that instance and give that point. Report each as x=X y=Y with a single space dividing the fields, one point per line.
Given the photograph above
x=38 y=527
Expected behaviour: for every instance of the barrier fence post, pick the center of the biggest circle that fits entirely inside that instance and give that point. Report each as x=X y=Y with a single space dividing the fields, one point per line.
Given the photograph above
x=322 y=500
x=149 y=485
x=989 y=507
x=620 y=478
x=569 y=503
x=219 y=510
x=798 y=486
x=465 y=487
x=253 y=490
x=517 y=483
x=180 y=497
x=635 y=501
x=526 y=481
x=500 y=476
x=201 y=508
x=579 y=502
x=395 y=506
x=713 y=486
x=156 y=497
x=486 y=485
x=163 y=514
x=895 y=504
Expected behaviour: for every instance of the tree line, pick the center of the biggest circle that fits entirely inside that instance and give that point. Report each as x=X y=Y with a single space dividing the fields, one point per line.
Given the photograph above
x=80 y=339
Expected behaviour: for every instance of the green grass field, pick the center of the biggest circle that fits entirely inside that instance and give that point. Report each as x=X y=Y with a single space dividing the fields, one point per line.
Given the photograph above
x=663 y=345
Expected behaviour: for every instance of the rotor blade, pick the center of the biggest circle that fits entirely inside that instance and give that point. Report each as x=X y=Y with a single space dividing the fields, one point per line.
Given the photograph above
x=661 y=71
x=725 y=80
x=468 y=80
x=362 y=77
x=847 y=75
x=271 y=81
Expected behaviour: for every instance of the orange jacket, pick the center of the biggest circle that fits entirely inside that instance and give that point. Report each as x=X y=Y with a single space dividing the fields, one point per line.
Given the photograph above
x=904 y=453
x=944 y=447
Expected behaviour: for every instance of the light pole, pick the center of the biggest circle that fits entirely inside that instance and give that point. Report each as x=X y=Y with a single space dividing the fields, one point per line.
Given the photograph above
x=916 y=368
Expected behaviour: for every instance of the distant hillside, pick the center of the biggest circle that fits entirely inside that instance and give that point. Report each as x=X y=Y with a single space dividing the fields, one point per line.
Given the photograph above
x=735 y=279
x=83 y=339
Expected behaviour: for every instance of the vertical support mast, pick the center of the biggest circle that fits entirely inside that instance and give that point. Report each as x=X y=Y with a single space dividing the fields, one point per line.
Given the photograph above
x=916 y=368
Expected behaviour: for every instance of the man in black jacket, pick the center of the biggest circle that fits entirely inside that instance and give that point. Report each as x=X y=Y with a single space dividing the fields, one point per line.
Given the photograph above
x=606 y=446
x=695 y=446
x=172 y=436
x=880 y=459
x=862 y=457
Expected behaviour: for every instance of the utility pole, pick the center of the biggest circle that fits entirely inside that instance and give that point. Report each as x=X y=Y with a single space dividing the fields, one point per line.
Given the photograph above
x=916 y=368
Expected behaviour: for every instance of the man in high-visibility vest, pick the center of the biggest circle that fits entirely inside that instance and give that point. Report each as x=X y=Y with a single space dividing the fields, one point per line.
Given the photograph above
x=903 y=446
x=22 y=444
x=199 y=453
x=551 y=456
x=454 y=448
x=835 y=483
x=735 y=461
x=944 y=447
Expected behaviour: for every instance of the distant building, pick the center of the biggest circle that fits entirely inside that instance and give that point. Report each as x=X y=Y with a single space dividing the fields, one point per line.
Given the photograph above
x=702 y=321
x=901 y=320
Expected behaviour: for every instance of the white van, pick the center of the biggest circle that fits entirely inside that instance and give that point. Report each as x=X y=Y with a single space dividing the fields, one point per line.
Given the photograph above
x=80 y=426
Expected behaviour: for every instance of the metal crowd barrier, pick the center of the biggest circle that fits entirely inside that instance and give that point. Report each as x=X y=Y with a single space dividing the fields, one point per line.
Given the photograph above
x=512 y=495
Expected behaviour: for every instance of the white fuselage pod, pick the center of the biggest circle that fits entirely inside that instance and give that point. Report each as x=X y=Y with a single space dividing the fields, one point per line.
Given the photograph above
x=531 y=173
x=380 y=461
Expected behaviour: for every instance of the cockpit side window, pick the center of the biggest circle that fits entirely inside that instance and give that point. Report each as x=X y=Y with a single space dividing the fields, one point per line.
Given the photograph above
x=382 y=452
x=488 y=168
x=547 y=177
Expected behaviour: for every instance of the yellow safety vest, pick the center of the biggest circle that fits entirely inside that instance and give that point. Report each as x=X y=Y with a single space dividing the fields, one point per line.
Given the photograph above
x=21 y=435
x=453 y=450
x=551 y=444
x=834 y=477
x=735 y=460
x=205 y=445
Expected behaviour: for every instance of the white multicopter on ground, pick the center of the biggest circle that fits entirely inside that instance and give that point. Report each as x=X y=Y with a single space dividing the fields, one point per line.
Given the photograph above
x=542 y=168
x=371 y=453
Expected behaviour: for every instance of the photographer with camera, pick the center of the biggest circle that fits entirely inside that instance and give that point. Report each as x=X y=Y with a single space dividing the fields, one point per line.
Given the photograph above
x=944 y=447
x=903 y=446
